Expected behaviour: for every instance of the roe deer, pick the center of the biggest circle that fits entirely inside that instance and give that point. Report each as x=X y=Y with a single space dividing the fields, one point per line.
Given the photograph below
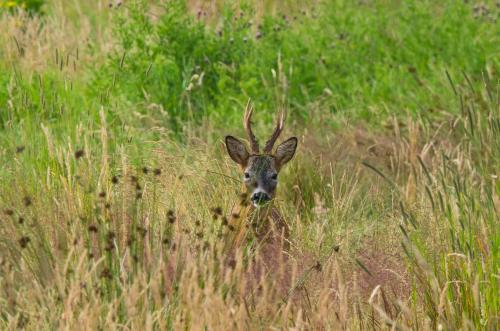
x=260 y=177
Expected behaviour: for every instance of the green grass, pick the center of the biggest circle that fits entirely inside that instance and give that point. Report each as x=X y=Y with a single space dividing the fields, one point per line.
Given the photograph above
x=396 y=106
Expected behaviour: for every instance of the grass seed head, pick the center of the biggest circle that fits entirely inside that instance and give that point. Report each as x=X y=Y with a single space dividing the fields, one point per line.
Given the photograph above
x=27 y=201
x=79 y=154
x=24 y=241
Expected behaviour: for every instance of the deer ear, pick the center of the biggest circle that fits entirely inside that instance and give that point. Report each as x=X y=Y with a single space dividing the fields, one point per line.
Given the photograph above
x=286 y=151
x=237 y=150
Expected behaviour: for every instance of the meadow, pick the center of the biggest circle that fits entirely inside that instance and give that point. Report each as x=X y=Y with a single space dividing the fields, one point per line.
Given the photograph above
x=115 y=183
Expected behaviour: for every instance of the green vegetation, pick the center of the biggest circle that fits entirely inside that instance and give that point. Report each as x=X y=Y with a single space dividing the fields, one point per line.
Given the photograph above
x=112 y=165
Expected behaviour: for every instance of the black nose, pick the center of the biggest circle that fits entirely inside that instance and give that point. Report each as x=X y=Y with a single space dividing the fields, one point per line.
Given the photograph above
x=260 y=197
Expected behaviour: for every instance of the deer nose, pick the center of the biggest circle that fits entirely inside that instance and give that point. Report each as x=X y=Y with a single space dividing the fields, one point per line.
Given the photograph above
x=260 y=197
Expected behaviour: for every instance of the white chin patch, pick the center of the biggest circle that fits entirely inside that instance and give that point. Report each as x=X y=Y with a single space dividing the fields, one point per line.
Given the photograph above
x=261 y=204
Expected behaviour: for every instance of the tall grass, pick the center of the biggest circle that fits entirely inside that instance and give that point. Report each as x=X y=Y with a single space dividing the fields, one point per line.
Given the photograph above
x=115 y=184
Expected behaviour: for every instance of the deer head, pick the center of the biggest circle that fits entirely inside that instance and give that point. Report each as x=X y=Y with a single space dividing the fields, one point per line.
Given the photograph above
x=260 y=171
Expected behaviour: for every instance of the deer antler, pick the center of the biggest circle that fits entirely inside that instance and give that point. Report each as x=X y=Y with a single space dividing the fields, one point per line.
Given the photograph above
x=280 y=123
x=247 y=123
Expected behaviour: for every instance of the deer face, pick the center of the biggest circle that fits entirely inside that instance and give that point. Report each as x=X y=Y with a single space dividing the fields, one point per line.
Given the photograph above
x=260 y=171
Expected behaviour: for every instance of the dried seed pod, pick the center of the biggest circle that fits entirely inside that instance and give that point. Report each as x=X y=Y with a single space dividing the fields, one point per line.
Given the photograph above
x=24 y=241
x=79 y=154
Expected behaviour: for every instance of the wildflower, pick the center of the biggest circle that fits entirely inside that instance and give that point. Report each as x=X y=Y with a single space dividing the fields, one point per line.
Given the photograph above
x=10 y=4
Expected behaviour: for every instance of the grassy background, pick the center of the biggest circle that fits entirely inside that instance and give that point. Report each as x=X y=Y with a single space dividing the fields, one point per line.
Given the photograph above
x=111 y=124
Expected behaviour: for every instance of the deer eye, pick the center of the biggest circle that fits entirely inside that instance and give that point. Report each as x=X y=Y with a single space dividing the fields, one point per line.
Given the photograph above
x=274 y=177
x=247 y=175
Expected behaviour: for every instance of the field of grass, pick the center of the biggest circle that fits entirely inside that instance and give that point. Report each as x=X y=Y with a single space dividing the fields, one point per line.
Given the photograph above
x=115 y=182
